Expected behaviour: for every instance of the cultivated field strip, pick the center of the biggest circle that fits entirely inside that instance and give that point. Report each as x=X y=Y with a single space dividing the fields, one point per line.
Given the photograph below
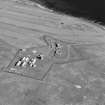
x=35 y=13
x=96 y=38
x=32 y=20
x=31 y=17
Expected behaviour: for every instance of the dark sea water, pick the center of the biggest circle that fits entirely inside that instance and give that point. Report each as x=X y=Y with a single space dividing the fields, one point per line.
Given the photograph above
x=87 y=9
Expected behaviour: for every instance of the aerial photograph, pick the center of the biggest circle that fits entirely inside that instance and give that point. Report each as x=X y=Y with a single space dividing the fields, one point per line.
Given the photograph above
x=52 y=52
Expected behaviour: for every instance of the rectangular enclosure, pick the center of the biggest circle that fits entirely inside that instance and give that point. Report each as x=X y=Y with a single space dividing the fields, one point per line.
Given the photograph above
x=28 y=64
